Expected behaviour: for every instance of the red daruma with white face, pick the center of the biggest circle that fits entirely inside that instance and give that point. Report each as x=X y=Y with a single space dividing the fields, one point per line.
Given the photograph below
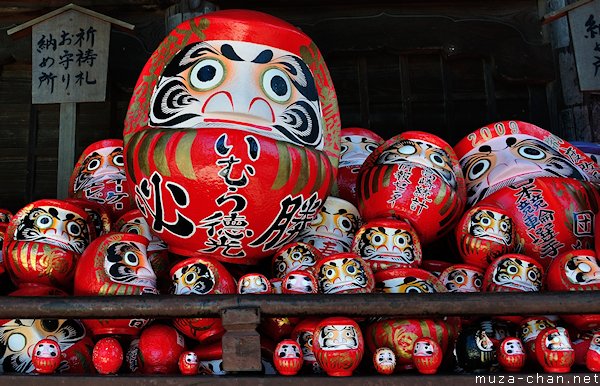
x=414 y=176
x=232 y=136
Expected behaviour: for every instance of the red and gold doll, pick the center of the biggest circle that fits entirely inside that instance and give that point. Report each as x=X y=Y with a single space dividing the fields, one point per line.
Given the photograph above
x=232 y=136
x=338 y=345
x=553 y=350
x=511 y=354
x=46 y=356
x=287 y=357
x=427 y=355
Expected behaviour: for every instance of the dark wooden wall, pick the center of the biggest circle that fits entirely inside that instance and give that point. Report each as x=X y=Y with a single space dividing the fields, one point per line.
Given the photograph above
x=447 y=67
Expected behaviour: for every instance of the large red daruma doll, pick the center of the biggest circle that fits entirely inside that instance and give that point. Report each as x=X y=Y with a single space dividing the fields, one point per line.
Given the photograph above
x=232 y=136
x=414 y=176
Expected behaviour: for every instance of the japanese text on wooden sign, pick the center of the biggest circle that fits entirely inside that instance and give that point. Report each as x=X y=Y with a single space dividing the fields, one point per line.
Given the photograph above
x=585 y=32
x=69 y=59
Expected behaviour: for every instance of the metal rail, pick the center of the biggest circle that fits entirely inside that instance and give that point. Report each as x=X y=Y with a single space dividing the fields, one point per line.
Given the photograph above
x=423 y=305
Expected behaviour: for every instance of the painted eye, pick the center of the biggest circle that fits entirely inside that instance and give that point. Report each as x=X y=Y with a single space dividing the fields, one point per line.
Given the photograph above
x=74 y=229
x=131 y=258
x=277 y=85
x=532 y=275
x=478 y=169
x=459 y=279
x=377 y=240
x=485 y=221
x=343 y=149
x=44 y=221
x=246 y=283
x=351 y=269
x=49 y=325
x=407 y=150
x=437 y=160
x=370 y=147
x=134 y=229
x=530 y=152
x=477 y=282
x=413 y=289
x=542 y=325
x=190 y=278
x=296 y=256
x=118 y=160
x=344 y=224
x=94 y=164
x=16 y=342
x=504 y=226
x=330 y=273
x=402 y=240
x=207 y=74
x=584 y=267
x=512 y=269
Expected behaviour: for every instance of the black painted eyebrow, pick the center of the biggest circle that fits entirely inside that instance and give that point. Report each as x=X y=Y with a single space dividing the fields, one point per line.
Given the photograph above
x=264 y=57
x=228 y=51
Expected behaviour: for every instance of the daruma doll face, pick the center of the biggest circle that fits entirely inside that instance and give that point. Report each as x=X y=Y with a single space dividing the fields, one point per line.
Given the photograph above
x=232 y=136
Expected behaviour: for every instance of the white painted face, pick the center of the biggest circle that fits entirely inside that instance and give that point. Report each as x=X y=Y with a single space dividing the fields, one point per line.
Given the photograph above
x=384 y=356
x=254 y=284
x=385 y=244
x=195 y=278
x=139 y=226
x=509 y=159
x=490 y=225
x=200 y=88
x=341 y=275
x=338 y=337
x=423 y=153
x=297 y=256
x=191 y=358
x=102 y=164
x=423 y=349
x=595 y=343
x=483 y=342
x=518 y=274
x=333 y=229
x=405 y=285
x=354 y=149
x=56 y=226
x=582 y=270
x=462 y=280
x=558 y=341
x=45 y=349
x=288 y=351
x=126 y=262
x=299 y=282
x=513 y=347
x=531 y=329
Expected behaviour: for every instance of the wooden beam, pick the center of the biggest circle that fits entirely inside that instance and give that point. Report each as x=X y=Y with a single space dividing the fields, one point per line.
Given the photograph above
x=66 y=147
x=551 y=16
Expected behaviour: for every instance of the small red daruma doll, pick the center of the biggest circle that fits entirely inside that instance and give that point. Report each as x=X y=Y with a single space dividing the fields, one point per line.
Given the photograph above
x=592 y=358
x=188 y=363
x=384 y=360
x=254 y=283
x=107 y=356
x=462 y=278
x=484 y=233
x=338 y=345
x=299 y=282
x=159 y=349
x=427 y=355
x=287 y=357
x=511 y=354
x=553 y=350
x=99 y=176
x=294 y=256
x=46 y=356
x=344 y=273
x=388 y=243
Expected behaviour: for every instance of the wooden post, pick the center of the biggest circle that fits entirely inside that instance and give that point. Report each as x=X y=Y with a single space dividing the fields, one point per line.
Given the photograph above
x=66 y=148
x=241 y=342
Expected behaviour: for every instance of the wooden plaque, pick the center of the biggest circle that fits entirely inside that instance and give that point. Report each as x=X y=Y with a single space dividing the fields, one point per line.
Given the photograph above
x=69 y=58
x=585 y=32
